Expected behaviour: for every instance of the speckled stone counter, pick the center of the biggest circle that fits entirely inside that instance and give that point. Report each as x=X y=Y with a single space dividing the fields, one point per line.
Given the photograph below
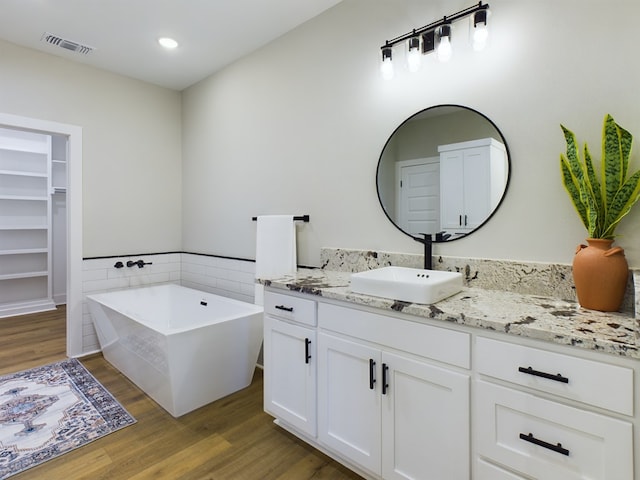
x=538 y=317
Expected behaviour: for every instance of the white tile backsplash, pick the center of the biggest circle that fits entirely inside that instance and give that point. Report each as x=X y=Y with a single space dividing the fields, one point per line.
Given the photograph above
x=223 y=276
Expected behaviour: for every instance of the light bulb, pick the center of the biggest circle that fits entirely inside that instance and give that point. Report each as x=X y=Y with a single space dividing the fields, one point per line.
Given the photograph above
x=480 y=31
x=414 y=59
x=386 y=67
x=480 y=35
x=444 y=51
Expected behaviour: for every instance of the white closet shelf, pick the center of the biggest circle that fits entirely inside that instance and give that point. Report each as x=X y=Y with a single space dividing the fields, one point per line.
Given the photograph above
x=28 y=147
x=19 y=173
x=23 y=251
x=24 y=227
x=24 y=197
x=13 y=276
x=26 y=221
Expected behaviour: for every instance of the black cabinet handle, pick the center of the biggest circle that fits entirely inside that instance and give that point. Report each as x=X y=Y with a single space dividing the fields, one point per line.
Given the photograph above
x=460 y=220
x=385 y=385
x=286 y=309
x=372 y=373
x=307 y=356
x=465 y=220
x=556 y=448
x=536 y=373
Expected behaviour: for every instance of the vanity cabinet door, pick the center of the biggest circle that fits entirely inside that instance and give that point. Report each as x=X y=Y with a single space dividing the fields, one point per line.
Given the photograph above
x=349 y=400
x=451 y=191
x=425 y=420
x=290 y=373
x=472 y=176
x=464 y=177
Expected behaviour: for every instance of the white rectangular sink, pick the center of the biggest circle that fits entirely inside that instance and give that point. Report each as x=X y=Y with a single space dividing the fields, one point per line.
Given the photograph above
x=407 y=284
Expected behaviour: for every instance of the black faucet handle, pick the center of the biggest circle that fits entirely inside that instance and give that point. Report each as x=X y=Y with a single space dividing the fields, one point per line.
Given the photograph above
x=442 y=236
x=427 y=238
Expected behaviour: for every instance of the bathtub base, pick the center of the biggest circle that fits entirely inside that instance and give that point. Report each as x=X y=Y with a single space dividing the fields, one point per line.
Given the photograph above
x=185 y=370
x=209 y=372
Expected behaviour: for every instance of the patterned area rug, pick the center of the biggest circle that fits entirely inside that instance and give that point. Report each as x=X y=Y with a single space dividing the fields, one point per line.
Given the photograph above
x=51 y=410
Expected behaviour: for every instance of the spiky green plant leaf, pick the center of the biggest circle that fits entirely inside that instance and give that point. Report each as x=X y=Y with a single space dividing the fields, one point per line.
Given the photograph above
x=626 y=197
x=573 y=188
x=613 y=163
x=626 y=140
x=594 y=183
x=601 y=204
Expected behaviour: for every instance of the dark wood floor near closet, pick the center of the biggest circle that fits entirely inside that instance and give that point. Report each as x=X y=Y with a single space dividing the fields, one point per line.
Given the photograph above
x=228 y=439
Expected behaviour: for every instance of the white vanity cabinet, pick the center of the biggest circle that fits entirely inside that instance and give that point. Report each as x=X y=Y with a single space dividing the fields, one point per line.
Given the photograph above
x=547 y=415
x=393 y=396
x=472 y=179
x=290 y=360
x=383 y=405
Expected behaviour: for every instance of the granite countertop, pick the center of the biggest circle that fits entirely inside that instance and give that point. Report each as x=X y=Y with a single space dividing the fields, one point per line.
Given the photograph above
x=529 y=316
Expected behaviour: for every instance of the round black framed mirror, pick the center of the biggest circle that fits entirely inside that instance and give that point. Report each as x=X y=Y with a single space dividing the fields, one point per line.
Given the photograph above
x=444 y=171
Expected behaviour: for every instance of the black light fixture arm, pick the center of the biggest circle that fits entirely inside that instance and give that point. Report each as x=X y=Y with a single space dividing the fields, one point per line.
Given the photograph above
x=438 y=23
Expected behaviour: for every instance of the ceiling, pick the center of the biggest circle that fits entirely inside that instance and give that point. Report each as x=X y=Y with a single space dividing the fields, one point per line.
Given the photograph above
x=124 y=33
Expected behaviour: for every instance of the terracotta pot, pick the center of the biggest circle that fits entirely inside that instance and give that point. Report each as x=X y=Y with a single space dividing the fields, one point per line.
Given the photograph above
x=600 y=274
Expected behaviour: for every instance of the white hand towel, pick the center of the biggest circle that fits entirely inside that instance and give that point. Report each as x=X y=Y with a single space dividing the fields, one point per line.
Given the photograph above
x=275 y=248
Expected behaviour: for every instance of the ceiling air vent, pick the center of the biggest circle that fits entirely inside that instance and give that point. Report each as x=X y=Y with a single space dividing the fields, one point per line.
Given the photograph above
x=66 y=44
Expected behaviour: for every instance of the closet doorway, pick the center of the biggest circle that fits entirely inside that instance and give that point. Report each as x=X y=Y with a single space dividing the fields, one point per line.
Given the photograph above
x=72 y=136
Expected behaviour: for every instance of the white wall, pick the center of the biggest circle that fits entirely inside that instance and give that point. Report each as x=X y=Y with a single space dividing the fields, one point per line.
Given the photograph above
x=131 y=146
x=298 y=126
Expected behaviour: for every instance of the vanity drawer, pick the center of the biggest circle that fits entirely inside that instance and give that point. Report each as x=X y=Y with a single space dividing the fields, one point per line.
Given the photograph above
x=489 y=471
x=594 y=383
x=547 y=440
x=296 y=309
x=427 y=341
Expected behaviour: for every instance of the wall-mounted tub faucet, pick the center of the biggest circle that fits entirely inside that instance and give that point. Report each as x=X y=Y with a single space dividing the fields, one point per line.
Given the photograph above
x=139 y=263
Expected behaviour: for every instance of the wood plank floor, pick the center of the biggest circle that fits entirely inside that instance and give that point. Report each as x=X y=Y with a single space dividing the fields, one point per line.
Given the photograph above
x=229 y=439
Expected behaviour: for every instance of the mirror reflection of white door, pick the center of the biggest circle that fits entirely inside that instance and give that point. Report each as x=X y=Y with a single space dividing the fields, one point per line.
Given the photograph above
x=418 y=195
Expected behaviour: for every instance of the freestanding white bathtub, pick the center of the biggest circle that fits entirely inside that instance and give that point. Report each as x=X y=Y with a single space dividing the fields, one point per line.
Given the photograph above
x=183 y=347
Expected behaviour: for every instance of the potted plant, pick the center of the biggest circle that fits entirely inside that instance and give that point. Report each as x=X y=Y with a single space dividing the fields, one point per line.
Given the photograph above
x=600 y=272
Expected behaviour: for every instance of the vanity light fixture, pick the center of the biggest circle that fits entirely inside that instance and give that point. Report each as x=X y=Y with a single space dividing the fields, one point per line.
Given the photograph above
x=436 y=36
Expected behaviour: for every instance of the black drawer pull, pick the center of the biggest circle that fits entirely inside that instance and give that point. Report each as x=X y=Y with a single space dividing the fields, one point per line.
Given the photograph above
x=286 y=309
x=372 y=373
x=385 y=384
x=556 y=448
x=531 y=371
x=307 y=355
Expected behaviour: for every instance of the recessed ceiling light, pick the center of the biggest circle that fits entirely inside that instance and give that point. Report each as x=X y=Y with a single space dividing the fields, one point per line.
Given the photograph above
x=167 y=42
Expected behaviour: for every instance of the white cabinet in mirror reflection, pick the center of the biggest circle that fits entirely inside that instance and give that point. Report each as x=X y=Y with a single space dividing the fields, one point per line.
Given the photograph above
x=472 y=179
